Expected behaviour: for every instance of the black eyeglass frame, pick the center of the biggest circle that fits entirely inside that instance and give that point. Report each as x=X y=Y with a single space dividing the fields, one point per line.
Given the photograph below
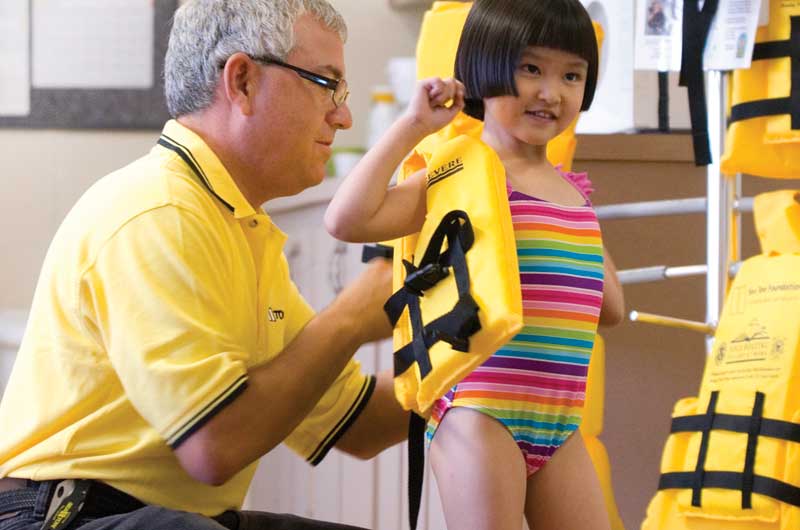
x=326 y=82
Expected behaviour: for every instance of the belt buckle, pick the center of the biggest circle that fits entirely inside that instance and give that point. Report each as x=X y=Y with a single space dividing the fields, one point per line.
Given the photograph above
x=66 y=503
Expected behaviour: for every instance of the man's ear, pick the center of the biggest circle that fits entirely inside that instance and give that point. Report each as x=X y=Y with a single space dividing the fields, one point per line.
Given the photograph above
x=239 y=79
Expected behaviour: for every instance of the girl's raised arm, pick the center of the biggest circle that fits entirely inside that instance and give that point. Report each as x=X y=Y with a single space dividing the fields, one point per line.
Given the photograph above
x=363 y=209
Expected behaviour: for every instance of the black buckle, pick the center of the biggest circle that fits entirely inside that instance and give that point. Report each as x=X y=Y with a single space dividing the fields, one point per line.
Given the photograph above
x=425 y=277
x=66 y=503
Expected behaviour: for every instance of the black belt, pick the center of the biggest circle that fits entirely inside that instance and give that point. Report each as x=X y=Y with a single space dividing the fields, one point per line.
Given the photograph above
x=101 y=499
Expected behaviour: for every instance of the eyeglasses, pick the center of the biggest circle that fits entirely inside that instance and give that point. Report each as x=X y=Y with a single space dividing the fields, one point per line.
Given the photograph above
x=338 y=87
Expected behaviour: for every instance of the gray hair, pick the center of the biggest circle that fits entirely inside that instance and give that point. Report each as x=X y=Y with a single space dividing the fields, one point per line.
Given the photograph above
x=205 y=33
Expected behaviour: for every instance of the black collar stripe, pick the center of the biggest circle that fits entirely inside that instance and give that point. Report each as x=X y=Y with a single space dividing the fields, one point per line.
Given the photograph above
x=190 y=154
x=187 y=157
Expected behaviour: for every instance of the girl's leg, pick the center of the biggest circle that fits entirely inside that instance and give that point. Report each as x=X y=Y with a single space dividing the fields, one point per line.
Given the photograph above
x=565 y=493
x=480 y=472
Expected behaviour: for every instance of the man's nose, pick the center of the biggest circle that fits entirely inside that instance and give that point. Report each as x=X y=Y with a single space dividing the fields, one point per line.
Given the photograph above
x=340 y=117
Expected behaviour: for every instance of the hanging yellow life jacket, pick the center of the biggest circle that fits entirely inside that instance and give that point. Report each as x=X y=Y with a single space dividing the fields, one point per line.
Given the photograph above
x=763 y=137
x=732 y=459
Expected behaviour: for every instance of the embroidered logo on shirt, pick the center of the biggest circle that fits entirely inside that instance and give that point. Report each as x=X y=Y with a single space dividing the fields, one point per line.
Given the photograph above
x=273 y=315
x=445 y=170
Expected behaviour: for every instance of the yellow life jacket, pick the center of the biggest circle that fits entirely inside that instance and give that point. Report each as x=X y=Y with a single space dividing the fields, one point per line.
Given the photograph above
x=732 y=459
x=592 y=426
x=763 y=137
x=462 y=301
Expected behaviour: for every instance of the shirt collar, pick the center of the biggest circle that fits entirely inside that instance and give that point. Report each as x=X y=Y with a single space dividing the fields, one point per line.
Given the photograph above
x=193 y=150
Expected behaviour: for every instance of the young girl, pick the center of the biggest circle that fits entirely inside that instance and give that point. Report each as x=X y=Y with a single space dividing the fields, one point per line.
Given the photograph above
x=503 y=442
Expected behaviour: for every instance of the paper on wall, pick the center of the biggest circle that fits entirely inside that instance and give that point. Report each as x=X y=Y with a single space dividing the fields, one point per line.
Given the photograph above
x=93 y=44
x=659 y=26
x=733 y=35
x=729 y=45
x=15 y=86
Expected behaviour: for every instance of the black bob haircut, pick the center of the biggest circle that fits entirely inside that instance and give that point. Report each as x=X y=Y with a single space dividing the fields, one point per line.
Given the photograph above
x=496 y=34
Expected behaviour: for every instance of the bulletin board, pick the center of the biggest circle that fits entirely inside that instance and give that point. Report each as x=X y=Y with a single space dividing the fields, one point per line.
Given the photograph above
x=87 y=107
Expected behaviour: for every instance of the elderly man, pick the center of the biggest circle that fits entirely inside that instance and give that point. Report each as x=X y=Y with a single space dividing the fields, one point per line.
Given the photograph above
x=151 y=377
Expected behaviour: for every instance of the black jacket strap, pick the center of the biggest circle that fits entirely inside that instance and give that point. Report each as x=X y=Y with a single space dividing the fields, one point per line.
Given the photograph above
x=732 y=480
x=699 y=470
x=747 y=481
x=416 y=466
x=784 y=430
x=776 y=106
x=455 y=326
x=750 y=454
x=696 y=26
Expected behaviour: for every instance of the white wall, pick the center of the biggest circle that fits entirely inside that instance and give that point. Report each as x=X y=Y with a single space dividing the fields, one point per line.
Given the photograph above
x=376 y=33
x=44 y=172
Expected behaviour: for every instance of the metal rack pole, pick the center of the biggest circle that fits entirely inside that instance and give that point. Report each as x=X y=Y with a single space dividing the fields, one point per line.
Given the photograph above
x=720 y=192
x=665 y=207
x=657 y=273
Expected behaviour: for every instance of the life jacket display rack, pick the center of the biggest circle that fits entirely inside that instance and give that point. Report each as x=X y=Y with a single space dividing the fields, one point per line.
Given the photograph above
x=723 y=205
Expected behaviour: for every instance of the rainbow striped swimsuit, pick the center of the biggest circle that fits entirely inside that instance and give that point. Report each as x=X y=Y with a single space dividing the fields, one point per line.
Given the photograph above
x=536 y=384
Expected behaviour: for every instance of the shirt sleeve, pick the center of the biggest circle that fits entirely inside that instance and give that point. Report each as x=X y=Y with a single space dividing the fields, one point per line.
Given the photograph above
x=333 y=415
x=158 y=296
x=339 y=406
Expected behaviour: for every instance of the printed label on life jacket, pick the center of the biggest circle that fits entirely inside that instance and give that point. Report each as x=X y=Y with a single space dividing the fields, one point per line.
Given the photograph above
x=752 y=348
x=447 y=169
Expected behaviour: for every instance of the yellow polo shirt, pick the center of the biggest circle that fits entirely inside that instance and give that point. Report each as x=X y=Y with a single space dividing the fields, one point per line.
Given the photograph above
x=160 y=289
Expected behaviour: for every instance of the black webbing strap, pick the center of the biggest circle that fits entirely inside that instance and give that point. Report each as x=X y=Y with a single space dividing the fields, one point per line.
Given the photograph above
x=370 y=252
x=776 y=106
x=794 y=92
x=759 y=109
x=780 y=429
x=750 y=454
x=454 y=327
x=774 y=49
x=416 y=466
x=696 y=26
x=732 y=480
x=699 y=470
x=747 y=481
x=663 y=101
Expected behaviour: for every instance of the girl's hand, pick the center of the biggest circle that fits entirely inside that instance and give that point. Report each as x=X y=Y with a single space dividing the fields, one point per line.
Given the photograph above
x=429 y=109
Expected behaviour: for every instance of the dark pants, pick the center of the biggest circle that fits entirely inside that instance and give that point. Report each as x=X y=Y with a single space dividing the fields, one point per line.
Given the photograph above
x=25 y=509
